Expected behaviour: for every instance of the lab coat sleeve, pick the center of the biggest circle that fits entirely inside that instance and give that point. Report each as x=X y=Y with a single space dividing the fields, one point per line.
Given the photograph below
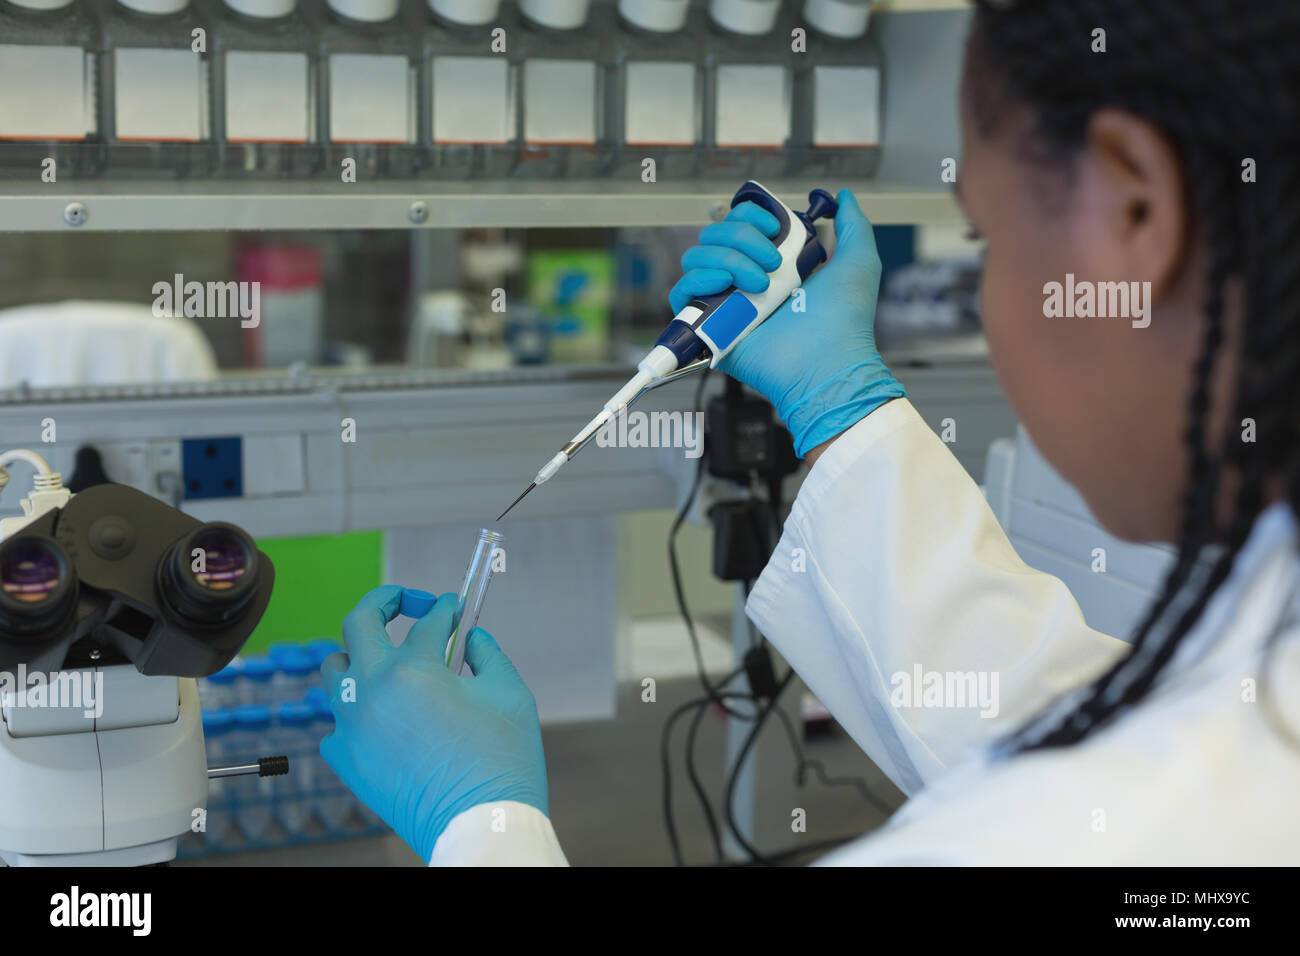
x=499 y=834
x=894 y=586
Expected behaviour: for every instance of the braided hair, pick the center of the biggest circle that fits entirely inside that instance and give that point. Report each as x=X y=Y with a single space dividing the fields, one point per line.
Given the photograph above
x=1221 y=79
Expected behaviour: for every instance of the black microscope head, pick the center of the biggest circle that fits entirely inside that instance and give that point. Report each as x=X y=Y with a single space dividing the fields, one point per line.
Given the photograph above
x=116 y=576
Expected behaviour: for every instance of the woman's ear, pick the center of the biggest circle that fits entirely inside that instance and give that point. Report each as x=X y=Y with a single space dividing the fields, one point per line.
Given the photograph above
x=1146 y=215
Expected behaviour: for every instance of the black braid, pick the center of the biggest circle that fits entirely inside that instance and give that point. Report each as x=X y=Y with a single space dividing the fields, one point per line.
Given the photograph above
x=1222 y=80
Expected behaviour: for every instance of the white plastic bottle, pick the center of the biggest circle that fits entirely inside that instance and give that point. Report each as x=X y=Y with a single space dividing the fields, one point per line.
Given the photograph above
x=472 y=88
x=749 y=91
x=837 y=92
x=154 y=87
x=370 y=108
x=264 y=89
x=49 y=53
x=655 y=97
x=559 y=48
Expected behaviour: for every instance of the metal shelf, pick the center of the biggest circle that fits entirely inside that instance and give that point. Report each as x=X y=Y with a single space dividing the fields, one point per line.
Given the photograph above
x=114 y=205
x=919 y=6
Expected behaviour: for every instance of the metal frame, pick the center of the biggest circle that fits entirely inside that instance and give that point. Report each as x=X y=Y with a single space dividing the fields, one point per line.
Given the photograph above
x=465 y=448
x=920 y=39
x=111 y=206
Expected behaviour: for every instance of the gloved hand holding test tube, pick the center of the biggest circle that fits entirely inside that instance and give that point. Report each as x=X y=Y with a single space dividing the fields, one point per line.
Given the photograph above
x=472 y=593
x=709 y=326
x=478 y=575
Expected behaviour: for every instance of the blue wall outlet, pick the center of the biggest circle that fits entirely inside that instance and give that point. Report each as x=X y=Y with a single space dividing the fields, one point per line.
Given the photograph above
x=214 y=467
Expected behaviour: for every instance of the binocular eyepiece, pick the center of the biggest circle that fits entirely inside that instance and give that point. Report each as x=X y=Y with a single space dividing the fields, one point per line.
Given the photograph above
x=210 y=575
x=38 y=587
x=119 y=572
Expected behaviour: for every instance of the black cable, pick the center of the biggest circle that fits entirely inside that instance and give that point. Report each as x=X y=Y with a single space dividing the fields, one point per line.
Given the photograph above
x=802 y=762
x=675 y=569
x=697 y=785
x=821 y=845
x=760 y=718
x=664 y=746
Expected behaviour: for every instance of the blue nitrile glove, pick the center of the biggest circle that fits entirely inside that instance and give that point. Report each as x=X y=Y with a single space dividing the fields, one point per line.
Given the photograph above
x=819 y=368
x=417 y=743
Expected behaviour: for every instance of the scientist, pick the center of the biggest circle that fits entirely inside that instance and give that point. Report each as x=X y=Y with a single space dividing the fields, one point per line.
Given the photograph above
x=1171 y=160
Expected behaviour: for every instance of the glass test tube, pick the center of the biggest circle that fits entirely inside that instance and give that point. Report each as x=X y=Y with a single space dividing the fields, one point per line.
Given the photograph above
x=477 y=578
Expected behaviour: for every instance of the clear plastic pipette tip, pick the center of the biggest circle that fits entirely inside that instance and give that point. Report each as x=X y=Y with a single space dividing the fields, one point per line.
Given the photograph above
x=517 y=500
x=546 y=474
x=548 y=471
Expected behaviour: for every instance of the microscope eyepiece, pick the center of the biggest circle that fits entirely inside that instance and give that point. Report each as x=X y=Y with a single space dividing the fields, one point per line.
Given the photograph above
x=210 y=574
x=37 y=586
x=118 y=571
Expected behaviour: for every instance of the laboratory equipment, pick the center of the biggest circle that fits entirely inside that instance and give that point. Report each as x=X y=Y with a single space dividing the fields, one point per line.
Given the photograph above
x=748 y=92
x=837 y=92
x=558 y=46
x=708 y=328
x=473 y=88
x=251 y=794
x=119 y=600
x=154 y=86
x=254 y=686
x=292 y=737
x=334 y=801
x=656 y=93
x=472 y=594
x=264 y=90
x=370 y=53
x=49 y=53
x=319 y=649
x=218 y=690
x=293 y=670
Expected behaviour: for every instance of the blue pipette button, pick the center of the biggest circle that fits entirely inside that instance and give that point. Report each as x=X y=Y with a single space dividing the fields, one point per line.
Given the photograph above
x=417 y=603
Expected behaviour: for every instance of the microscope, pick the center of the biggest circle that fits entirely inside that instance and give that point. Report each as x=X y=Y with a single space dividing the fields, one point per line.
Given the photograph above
x=111 y=603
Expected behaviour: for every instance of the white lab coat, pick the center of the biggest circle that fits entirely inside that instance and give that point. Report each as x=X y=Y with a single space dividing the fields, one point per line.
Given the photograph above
x=892 y=559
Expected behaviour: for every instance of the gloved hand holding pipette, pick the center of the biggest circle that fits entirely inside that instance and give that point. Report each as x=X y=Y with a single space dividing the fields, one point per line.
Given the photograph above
x=418 y=744
x=708 y=325
x=819 y=368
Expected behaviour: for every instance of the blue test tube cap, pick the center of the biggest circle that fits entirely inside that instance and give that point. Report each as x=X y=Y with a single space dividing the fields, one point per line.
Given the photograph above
x=260 y=669
x=278 y=652
x=322 y=648
x=294 y=713
x=217 y=721
x=228 y=674
x=298 y=663
x=319 y=702
x=417 y=603
x=252 y=717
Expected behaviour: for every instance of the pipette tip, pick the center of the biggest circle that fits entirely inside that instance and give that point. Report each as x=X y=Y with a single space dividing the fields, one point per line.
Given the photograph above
x=531 y=486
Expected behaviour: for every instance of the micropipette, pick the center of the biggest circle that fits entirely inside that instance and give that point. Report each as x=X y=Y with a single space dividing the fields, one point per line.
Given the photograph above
x=710 y=326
